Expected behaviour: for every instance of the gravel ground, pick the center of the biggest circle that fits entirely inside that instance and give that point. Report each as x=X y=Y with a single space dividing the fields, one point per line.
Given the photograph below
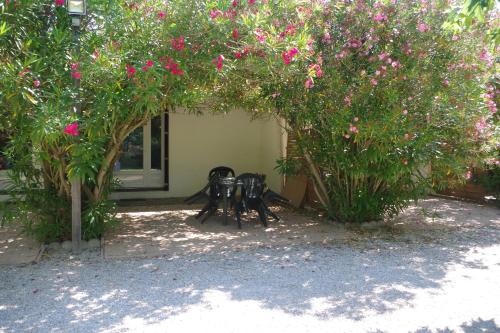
x=379 y=286
x=441 y=280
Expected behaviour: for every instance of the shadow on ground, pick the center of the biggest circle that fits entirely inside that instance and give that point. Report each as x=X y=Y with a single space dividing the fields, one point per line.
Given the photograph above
x=448 y=284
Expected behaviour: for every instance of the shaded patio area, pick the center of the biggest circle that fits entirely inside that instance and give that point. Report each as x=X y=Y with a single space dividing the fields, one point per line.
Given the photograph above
x=172 y=230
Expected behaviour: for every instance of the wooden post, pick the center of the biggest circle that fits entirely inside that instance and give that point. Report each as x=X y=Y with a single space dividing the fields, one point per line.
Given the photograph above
x=76 y=214
x=76 y=185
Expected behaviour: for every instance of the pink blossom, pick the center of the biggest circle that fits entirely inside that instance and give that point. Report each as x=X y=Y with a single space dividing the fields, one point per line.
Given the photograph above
x=150 y=63
x=455 y=38
x=356 y=119
x=380 y=17
x=327 y=39
x=178 y=43
x=422 y=27
x=316 y=69
x=145 y=68
x=236 y=33
x=347 y=136
x=373 y=82
x=405 y=112
x=251 y=2
x=161 y=14
x=348 y=100
x=353 y=129
x=309 y=83
x=76 y=75
x=215 y=13
x=219 y=62
x=260 y=35
x=396 y=64
x=130 y=71
x=486 y=57
x=354 y=43
x=286 y=58
x=72 y=129
x=290 y=30
x=446 y=83
x=24 y=72
x=235 y=3
x=382 y=56
x=36 y=83
x=59 y=2
x=74 y=66
x=481 y=125
x=468 y=175
x=238 y=55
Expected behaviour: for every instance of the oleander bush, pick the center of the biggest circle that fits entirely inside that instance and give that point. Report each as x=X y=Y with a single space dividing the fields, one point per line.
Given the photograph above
x=387 y=99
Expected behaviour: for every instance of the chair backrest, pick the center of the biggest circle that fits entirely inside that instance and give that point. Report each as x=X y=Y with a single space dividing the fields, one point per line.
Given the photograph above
x=220 y=172
x=214 y=175
x=252 y=185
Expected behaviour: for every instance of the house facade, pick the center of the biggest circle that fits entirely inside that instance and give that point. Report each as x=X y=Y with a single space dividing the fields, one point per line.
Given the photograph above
x=171 y=156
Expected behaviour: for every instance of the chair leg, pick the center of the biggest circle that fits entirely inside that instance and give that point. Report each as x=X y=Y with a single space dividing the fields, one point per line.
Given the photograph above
x=211 y=212
x=238 y=216
x=195 y=197
x=203 y=210
x=270 y=213
x=262 y=214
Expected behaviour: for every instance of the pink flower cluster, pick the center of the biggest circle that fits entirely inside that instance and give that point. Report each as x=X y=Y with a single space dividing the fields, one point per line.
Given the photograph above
x=315 y=69
x=288 y=56
x=490 y=99
x=172 y=66
x=178 y=43
x=72 y=129
x=259 y=34
x=149 y=64
x=74 y=71
x=380 y=17
x=486 y=57
x=422 y=27
x=59 y=2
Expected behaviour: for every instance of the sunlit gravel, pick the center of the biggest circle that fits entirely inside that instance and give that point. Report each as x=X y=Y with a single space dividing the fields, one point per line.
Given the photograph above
x=447 y=285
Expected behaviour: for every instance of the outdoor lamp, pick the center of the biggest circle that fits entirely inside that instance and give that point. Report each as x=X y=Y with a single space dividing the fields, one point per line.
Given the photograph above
x=77 y=9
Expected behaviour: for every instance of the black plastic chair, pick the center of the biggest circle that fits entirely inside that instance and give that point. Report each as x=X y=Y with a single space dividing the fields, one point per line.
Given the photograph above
x=253 y=197
x=215 y=192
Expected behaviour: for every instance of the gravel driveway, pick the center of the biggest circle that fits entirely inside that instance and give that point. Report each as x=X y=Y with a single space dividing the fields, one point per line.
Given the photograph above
x=448 y=283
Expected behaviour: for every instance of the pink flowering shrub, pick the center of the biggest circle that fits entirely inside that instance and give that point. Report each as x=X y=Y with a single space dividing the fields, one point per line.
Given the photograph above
x=139 y=58
x=376 y=93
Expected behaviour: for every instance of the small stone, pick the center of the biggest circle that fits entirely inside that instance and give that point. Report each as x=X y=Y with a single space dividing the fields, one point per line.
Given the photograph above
x=54 y=246
x=94 y=243
x=372 y=225
x=67 y=245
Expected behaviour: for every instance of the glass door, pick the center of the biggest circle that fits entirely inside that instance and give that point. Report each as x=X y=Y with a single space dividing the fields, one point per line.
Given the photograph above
x=141 y=163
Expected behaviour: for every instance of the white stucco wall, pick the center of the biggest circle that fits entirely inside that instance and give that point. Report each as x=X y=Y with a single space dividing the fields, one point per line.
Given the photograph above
x=198 y=143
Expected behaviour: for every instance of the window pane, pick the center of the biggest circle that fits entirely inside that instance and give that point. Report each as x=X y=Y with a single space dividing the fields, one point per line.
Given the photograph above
x=133 y=151
x=156 y=143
